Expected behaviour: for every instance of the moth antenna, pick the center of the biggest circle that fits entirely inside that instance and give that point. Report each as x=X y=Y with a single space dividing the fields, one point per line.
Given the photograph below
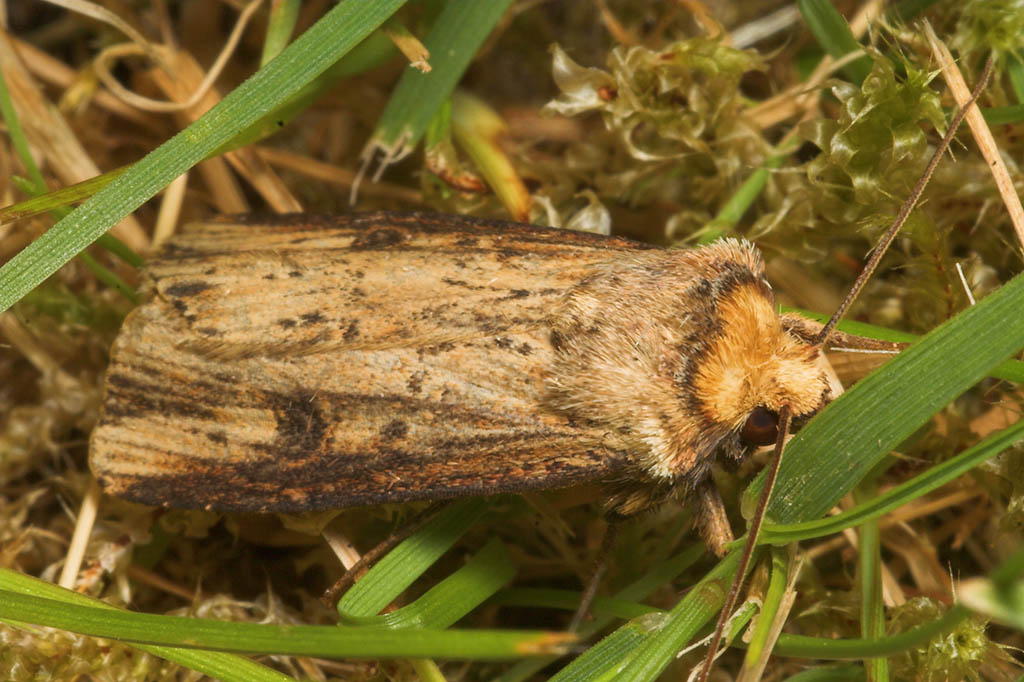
x=908 y=206
x=748 y=546
x=784 y=416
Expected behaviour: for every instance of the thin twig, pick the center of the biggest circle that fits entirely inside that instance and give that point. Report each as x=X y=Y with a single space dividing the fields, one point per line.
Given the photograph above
x=982 y=134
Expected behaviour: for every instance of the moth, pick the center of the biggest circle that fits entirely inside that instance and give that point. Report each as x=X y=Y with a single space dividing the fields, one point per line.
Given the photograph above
x=305 y=363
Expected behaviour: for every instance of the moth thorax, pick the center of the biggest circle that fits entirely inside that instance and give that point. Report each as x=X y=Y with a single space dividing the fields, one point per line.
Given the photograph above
x=755 y=363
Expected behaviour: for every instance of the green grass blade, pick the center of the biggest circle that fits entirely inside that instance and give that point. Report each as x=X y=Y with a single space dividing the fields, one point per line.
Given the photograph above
x=603 y=660
x=58 y=198
x=222 y=666
x=732 y=211
x=639 y=589
x=294 y=640
x=18 y=141
x=834 y=35
x=120 y=249
x=872 y=609
x=688 y=616
x=448 y=601
x=834 y=451
x=370 y=53
x=902 y=494
x=108 y=277
x=405 y=563
x=36 y=186
x=998 y=116
x=800 y=646
x=759 y=639
x=313 y=52
x=457 y=34
x=280 y=24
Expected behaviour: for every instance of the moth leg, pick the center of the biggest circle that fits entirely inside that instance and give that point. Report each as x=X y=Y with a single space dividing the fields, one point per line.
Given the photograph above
x=596 y=574
x=711 y=518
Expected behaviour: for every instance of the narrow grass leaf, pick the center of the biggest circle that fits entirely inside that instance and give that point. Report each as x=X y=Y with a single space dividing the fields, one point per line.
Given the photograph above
x=1010 y=370
x=906 y=492
x=315 y=50
x=800 y=646
x=294 y=640
x=834 y=451
x=833 y=34
x=1002 y=579
x=457 y=34
x=685 y=619
x=999 y=116
x=448 y=601
x=280 y=24
x=732 y=211
x=36 y=186
x=605 y=659
x=641 y=588
x=18 y=140
x=759 y=639
x=219 y=665
x=58 y=198
x=390 y=576
x=872 y=609
x=373 y=51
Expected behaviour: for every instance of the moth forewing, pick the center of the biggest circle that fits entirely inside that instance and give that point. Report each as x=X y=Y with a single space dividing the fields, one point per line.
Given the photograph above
x=309 y=363
x=316 y=363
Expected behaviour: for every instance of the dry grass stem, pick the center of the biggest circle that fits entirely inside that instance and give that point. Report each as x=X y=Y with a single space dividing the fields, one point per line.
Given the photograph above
x=248 y=164
x=48 y=131
x=979 y=128
x=170 y=210
x=312 y=168
x=80 y=538
x=195 y=95
x=55 y=72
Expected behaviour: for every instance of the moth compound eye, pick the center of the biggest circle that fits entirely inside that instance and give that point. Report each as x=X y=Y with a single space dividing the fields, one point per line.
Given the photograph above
x=761 y=427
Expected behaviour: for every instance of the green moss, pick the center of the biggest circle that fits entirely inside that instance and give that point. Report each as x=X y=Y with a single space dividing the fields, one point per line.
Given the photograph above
x=955 y=655
x=672 y=132
x=985 y=25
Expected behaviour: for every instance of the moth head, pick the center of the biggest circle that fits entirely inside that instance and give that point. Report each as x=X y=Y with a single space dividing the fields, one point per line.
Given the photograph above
x=755 y=366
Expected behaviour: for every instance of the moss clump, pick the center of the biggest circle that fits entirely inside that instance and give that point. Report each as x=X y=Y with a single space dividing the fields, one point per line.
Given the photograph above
x=985 y=25
x=673 y=134
x=954 y=655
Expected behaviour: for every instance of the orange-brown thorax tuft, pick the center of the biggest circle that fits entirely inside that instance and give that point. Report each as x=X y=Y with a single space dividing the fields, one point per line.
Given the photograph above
x=755 y=362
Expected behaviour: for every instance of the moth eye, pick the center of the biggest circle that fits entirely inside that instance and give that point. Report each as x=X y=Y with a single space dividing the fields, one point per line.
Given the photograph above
x=761 y=427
